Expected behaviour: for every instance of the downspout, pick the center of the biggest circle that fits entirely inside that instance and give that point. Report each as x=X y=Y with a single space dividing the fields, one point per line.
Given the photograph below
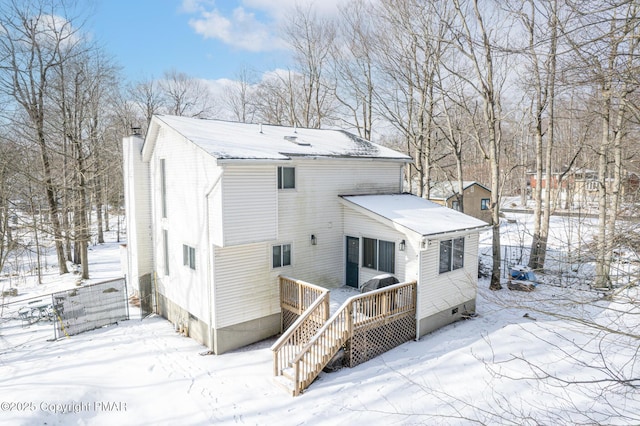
x=210 y=261
x=418 y=302
x=421 y=253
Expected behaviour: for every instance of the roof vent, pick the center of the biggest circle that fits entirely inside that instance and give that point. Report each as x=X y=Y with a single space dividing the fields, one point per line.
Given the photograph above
x=295 y=140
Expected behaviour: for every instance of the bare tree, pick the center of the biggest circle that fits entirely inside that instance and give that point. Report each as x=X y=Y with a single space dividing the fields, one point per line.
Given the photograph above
x=238 y=97
x=34 y=43
x=409 y=50
x=353 y=63
x=187 y=96
x=604 y=42
x=8 y=180
x=540 y=23
x=311 y=38
x=271 y=100
x=148 y=97
x=471 y=37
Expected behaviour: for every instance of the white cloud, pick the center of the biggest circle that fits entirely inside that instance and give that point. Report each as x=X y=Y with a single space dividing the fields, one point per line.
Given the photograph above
x=251 y=26
x=241 y=30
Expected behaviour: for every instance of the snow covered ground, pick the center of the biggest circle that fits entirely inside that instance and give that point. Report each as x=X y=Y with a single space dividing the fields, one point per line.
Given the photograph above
x=554 y=356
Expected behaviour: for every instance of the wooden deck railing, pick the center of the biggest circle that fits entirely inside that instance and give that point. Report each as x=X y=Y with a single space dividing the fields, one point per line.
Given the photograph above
x=296 y=296
x=383 y=305
x=359 y=312
x=311 y=303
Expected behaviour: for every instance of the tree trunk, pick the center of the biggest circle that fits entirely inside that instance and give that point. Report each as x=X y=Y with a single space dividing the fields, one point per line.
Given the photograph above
x=51 y=201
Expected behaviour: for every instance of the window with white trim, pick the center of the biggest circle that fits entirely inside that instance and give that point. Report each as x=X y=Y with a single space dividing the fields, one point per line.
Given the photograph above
x=286 y=177
x=165 y=247
x=451 y=255
x=163 y=187
x=281 y=255
x=189 y=256
x=379 y=255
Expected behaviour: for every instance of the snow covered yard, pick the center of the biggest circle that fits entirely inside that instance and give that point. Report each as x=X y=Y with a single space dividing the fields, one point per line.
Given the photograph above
x=524 y=360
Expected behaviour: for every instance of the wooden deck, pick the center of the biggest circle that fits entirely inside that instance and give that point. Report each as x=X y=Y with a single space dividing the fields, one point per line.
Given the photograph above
x=365 y=325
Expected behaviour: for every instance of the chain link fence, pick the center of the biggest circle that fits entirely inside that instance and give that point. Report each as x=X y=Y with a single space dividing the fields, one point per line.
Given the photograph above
x=89 y=307
x=69 y=312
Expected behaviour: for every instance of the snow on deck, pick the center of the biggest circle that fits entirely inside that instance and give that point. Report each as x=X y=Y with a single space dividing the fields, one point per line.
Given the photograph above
x=338 y=296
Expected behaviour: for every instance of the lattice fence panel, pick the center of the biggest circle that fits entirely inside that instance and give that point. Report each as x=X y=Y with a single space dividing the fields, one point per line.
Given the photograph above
x=368 y=343
x=288 y=318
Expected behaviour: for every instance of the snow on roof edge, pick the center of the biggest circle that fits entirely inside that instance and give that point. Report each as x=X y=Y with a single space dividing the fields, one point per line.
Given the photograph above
x=416 y=214
x=228 y=140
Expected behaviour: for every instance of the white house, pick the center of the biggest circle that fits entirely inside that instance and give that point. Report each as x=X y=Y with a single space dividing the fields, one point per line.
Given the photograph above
x=216 y=211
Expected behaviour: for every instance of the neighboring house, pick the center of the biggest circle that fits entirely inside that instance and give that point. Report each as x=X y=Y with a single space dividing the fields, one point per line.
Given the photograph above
x=581 y=186
x=217 y=211
x=476 y=198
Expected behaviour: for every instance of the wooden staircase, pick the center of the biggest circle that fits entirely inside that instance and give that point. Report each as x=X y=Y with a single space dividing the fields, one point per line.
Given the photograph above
x=312 y=304
x=316 y=354
x=308 y=345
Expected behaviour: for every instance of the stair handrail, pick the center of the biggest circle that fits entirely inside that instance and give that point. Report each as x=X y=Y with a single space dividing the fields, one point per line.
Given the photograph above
x=299 y=333
x=336 y=318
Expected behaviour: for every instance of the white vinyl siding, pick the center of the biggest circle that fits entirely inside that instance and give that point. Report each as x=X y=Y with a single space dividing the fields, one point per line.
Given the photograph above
x=245 y=282
x=245 y=286
x=249 y=204
x=314 y=208
x=189 y=174
x=439 y=292
x=359 y=225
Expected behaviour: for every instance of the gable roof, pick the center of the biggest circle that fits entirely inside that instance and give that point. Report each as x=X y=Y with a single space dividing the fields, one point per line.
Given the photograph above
x=227 y=140
x=447 y=189
x=415 y=213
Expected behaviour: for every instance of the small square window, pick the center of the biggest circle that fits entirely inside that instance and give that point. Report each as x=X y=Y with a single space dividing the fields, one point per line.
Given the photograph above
x=286 y=177
x=451 y=255
x=281 y=255
x=484 y=204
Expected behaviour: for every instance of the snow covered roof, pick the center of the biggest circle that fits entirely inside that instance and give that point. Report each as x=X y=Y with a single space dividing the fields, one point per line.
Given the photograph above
x=446 y=189
x=417 y=214
x=232 y=140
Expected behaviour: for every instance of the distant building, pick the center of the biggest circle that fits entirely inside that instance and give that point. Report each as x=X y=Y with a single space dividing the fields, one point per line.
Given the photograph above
x=580 y=186
x=476 y=198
